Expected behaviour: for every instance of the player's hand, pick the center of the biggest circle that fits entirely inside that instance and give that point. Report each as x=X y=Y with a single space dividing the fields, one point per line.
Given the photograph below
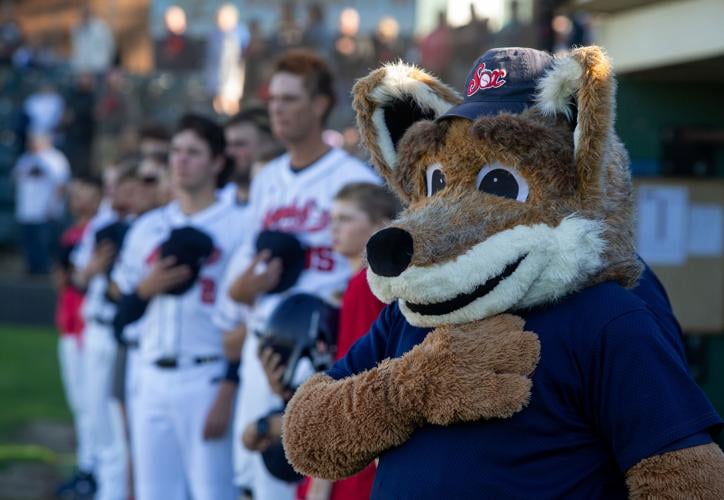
x=101 y=259
x=274 y=370
x=219 y=416
x=254 y=442
x=253 y=282
x=164 y=276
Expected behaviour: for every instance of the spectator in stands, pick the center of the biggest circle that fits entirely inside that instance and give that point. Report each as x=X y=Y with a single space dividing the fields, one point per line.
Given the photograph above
x=256 y=57
x=514 y=33
x=44 y=110
x=40 y=175
x=92 y=45
x=436 y=49
x=223 y=65
x=386 y=42
x=115 y=110
x=288 y=34
x=11 y=38
x=316 y=35
x=79 y=124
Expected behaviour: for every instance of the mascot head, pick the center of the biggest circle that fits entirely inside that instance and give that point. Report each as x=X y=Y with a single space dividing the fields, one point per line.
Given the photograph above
x=515 y=196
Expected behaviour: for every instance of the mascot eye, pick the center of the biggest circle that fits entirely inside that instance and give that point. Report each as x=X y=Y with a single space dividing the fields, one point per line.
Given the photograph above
x=502 y=181
x=435 y=179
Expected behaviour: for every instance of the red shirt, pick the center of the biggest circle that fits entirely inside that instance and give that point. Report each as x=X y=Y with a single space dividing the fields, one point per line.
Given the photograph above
x=68 y=319
x=360 y=309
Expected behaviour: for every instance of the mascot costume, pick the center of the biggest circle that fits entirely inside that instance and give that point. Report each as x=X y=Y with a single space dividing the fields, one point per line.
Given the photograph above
x=520 y=356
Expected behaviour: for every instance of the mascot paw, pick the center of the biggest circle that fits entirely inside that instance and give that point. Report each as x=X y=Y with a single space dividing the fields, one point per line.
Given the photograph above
x=479 y=370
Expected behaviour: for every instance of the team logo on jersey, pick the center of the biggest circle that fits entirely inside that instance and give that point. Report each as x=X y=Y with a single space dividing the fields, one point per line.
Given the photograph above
x=483 y=79
x=297 y=218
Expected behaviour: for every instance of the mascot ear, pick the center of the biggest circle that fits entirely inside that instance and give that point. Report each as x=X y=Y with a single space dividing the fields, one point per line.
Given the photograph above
x=389 y=100
x=581 y=86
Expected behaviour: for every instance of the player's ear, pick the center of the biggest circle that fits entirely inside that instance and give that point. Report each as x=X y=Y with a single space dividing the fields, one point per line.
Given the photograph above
x=391 y=99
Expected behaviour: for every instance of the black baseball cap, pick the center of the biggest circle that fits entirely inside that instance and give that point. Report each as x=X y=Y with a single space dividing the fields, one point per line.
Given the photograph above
x=191 y=247
x=289 y=249
x=501 y=81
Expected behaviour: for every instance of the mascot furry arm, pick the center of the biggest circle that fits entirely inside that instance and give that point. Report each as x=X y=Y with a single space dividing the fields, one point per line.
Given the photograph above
x=476 y=362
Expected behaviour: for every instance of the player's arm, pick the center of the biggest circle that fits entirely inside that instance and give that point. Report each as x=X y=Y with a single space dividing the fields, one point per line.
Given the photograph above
x=101 y=258
x=219 y=416
x=261 y=275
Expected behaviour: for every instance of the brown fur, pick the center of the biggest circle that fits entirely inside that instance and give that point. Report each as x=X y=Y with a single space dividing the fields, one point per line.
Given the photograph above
x=476 y=370
x=595 y=184
x=365 y=106
x=335 y=428
x=696 y=472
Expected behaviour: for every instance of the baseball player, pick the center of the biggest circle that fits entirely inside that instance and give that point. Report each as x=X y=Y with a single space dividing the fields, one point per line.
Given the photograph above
x=169 y=272
x=93 y=259
x=292 y=194
x=84 y=197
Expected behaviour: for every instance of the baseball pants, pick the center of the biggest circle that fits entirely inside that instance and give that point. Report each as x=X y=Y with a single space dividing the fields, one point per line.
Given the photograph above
x=171 y=459
x=70 y=357
x=106 y=420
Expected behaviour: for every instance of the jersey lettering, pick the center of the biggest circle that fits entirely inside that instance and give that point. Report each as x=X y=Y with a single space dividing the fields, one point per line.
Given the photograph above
x=297 y=218
x=208 y=290
x=319 y=259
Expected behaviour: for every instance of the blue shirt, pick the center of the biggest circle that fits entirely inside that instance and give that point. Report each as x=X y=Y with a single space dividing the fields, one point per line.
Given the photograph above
x=612 y=388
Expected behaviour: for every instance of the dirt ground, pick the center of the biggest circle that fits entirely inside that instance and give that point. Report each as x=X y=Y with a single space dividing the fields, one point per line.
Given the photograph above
x=34 y=460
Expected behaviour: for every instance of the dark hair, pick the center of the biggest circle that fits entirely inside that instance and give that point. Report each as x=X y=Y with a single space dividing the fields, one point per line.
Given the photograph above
x=154 y=131
x=128 y=168
x=377 y=202
x=313 y=70
x=257 y=116
x=213 y=135
x=90 y=180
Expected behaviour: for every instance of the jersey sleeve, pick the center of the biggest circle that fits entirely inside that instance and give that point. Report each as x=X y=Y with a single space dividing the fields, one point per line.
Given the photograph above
x=229 y=314
x=641 y=396
x=368 y=351
x=81 y=255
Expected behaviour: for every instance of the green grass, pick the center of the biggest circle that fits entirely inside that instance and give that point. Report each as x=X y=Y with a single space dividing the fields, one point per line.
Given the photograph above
x=30 y=386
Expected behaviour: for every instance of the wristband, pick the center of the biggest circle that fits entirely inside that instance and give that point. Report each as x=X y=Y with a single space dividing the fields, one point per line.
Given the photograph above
x=232 y=371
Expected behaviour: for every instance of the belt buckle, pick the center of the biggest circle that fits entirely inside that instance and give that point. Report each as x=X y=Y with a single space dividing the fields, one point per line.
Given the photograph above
x=166 y=363
x=200 y=360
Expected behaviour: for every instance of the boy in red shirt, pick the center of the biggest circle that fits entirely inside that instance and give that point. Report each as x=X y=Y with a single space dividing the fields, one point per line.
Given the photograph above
x=84 y=197
x=359 y=211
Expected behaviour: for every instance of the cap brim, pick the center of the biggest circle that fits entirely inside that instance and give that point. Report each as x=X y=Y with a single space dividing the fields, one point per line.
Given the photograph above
x=474 y=110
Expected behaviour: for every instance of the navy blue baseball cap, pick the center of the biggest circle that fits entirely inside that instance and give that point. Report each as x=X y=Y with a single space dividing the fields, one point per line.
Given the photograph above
x=501 y=81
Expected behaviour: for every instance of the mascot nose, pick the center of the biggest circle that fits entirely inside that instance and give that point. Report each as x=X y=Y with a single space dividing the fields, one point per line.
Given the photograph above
x=389 y=251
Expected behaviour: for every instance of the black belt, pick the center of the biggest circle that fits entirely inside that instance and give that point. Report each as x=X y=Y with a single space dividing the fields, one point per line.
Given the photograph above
x=131 y=344
x=172 y=363
x=102 y=321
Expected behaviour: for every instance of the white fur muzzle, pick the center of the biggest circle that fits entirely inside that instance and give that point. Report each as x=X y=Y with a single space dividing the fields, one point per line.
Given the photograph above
x=553 y=262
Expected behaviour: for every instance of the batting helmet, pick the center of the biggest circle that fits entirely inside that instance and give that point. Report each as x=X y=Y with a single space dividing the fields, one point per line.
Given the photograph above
x=295 y=329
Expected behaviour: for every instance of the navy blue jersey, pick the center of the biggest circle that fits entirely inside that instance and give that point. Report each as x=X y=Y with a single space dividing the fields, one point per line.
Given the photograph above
x=612 y=388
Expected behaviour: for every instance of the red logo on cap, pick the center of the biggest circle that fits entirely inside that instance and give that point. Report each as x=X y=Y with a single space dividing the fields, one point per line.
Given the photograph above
x=484 y=79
